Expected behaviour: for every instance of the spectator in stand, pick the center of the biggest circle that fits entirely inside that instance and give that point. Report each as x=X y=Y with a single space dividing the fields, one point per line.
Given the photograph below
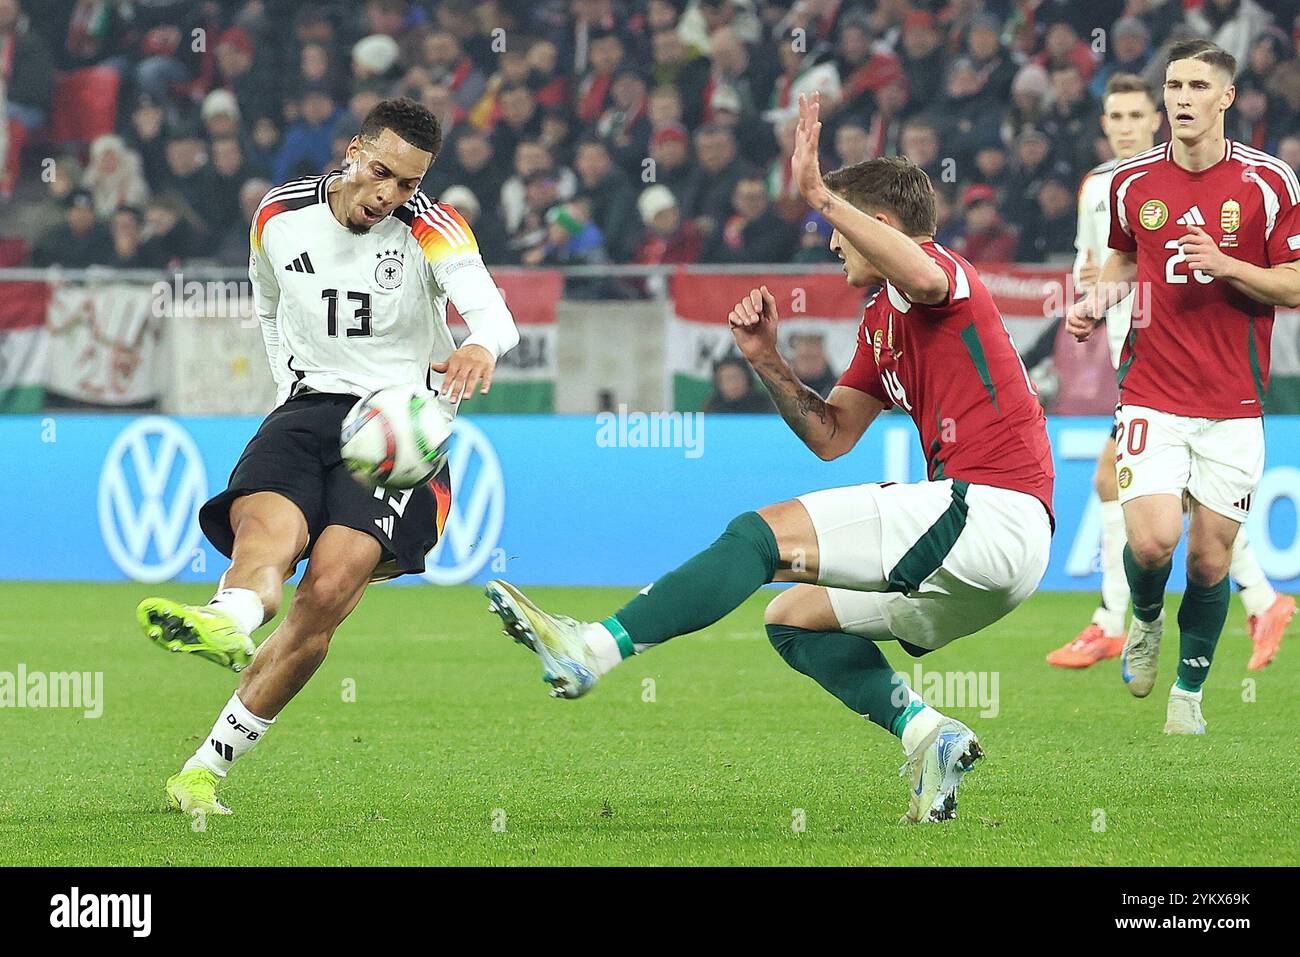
x=810 y=363
x=754 y=233
x=308 y=146
x=625 y=125
x=923 y=59
x=489 y=233
x=147 y=137
x=1062 y=48
x=986 y=237
x=114 y=177
x=81 y=240
x=532 y=158
x=572 y=239
x=665 y=107
x=26 y=69
x=609 y=197
x=965 y=107
x=229 y=173
x=374 y=65
x=814 y=240
x=125 y=228
x=1231 y=24
x=668 y=238
x=1030 y=96
x=520 y=119
x=992 y=168
x=1248 y=120
x=1269 y=49
x=1072 y=119
x=670 y=149
x=920 y=143
x=189 y=175
x=1032 y=162
x=1130 y=48
x=681 y=66
x=852 y=144
x=708 y=192
x=50 y=211
x=1048 y=236
x=863 y=68
x=255 y=86
x=527 y=241
x=443 y=60
x=470 y=163
x=1288 y=150
x=753 y=136
x=989 y=59
x=1284 y=85
x=170 y=236
x=232 y=250
x=730 y=66
x=263 y=146
x=593 y=93
x=734 y=389
x=948 y=224
x=220 y=114
x=550 y=88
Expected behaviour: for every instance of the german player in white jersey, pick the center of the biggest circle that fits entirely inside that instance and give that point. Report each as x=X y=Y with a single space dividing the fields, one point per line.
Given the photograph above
x=352 y=272
x=1207 y=232
x=1130 y=119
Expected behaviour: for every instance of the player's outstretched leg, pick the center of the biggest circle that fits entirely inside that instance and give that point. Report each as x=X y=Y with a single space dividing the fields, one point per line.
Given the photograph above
x=337 y=574
x=693 y=596
x=1201 y=614
x=1153 y=526
x=803 y=628
x=1267 y=612
x=1104 y=636
x=269 y=534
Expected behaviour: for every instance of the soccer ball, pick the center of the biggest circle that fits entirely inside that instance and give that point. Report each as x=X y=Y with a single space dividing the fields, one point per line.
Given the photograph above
x=396 y=438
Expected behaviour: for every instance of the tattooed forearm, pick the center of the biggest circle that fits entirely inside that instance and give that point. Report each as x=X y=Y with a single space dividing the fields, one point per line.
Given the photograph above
x=804 y=410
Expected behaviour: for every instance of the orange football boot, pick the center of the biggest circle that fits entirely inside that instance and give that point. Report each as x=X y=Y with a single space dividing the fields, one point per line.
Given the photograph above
x=1266 y=631
x=1092 y=645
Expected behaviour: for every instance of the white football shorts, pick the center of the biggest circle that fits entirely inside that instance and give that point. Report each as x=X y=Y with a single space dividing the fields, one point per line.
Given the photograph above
x=927 y=562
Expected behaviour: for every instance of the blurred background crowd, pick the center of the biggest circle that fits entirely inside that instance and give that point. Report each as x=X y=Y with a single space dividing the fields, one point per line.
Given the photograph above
x=588 y=131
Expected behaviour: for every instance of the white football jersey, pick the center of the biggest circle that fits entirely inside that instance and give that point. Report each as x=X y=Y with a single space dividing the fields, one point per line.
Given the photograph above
x=1093 y=235
x=351 y=313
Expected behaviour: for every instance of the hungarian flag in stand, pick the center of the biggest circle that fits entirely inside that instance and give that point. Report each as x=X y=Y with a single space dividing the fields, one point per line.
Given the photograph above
x=24 y=346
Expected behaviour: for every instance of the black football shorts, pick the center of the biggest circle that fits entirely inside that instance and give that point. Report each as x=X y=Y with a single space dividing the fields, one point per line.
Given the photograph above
x=296 y=453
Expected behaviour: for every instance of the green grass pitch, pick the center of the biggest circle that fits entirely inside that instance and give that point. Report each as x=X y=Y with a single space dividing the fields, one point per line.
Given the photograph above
x=451 y=752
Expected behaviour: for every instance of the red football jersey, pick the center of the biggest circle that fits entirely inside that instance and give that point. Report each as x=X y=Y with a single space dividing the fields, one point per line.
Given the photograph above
x=954 y=369
x=1198 y=347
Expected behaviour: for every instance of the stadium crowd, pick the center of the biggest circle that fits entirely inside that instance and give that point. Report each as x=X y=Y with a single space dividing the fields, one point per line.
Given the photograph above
x=596 y=131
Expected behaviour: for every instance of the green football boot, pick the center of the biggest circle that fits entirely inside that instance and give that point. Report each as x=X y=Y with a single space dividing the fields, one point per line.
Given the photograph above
x=197 y=630
x=194 y=792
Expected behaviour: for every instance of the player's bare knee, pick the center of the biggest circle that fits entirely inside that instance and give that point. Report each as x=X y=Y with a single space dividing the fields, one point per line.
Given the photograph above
x=1150 y=551
x=1207 y=568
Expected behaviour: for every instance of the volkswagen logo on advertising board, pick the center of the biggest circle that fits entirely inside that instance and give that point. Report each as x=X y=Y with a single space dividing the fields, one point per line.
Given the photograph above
x=478 y=508
x=150 y=489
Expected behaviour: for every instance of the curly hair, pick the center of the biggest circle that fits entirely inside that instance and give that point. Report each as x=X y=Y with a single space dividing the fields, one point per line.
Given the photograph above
x=408 y=119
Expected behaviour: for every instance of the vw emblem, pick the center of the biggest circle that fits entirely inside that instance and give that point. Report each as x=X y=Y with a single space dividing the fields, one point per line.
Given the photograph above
x=478 y=508
x=150 y=490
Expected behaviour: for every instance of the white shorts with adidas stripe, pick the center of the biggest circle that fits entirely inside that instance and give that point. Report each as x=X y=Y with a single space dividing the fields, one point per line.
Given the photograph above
x=927 y=562
x=1219 y=462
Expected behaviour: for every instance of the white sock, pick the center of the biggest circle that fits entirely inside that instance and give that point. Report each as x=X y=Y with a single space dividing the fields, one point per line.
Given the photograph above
x=1178 y=692
x=920 y=727
x=605 y=654
x=234 y=734
x=1256 y=593
x=243 y=606
x=1114 y=583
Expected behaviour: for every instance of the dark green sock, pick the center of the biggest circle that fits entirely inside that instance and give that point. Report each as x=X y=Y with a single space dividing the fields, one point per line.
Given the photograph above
x=851 y=668
x=1147 y=586
x=708 y=586
x=1200 y=622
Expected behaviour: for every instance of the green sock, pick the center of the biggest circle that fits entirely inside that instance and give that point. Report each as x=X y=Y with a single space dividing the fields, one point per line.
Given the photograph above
x=1147 y=586
x=1200 y=622
x=696 y=594
x=851 y=668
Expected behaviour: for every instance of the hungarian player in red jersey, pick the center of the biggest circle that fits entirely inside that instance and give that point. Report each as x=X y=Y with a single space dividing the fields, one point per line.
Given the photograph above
x=921 y=564
x=1210 y=231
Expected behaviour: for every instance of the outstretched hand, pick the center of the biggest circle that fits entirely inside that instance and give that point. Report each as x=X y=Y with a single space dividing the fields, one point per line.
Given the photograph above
x=464 y=370
x=805 y=164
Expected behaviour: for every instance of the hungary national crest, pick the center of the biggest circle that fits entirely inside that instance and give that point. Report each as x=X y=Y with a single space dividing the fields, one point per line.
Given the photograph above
x=1230 y=216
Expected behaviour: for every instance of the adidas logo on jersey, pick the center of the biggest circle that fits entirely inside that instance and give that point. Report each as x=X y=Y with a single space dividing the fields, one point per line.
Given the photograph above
x=1192 y=217
x=385 y=525
x=301 y=264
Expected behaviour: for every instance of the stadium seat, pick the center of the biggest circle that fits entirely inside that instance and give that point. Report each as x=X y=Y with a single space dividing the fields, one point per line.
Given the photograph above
x=13 y=252
x=14 y=152
x=84 y=105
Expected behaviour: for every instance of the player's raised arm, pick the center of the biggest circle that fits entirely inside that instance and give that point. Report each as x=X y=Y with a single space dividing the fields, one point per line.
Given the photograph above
x=830 y=427
x=899 y=258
